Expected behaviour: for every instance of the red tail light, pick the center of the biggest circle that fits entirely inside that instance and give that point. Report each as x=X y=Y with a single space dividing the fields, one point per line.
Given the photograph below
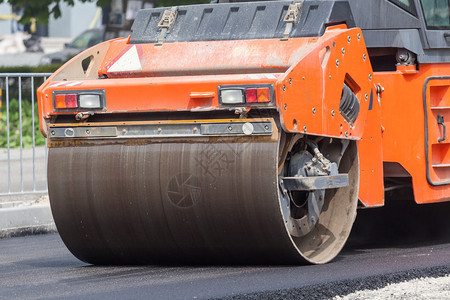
x=71 y=101
x=66 y=101
x=251 y=94
x=263 y=95
x=260 y=95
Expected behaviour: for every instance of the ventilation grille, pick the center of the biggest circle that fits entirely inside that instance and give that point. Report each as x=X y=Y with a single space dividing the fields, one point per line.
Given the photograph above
x=349 y=106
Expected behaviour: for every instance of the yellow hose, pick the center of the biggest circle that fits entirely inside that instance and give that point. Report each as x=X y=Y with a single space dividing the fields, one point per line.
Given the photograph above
x=96 y=17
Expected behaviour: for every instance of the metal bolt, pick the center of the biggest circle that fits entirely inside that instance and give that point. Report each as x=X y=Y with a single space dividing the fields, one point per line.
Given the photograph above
x=230 y=128
x=266 y=127
x=284 y=87
x=159 y=130
x=343 y=50
x=195 y=129
x=303 y=78
x=349 y=39
x=290 y=80
x=370 y=76
x=332 y=113
x=68 y=132
x=285 y=107
x=359 y=36
x=304 y=128
x=334 y=44
x=52 y=132
x=346 y=134
x=337 y=62
x=314 y=110
x=364 y=56
x=88 y=131
x=247 y=128
x=366 y=96
x=329 y=76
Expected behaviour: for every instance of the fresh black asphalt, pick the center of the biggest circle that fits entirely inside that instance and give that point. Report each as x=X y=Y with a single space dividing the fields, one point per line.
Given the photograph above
x=40 y=267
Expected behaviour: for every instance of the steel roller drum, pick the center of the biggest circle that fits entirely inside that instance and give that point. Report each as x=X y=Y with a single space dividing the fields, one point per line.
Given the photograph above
x=172 y=202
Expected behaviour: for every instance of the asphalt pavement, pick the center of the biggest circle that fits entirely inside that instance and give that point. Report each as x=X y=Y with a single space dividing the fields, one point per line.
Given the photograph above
x=40 y=267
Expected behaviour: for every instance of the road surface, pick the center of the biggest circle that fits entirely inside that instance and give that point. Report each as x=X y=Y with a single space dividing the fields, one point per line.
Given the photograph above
x=40 y=266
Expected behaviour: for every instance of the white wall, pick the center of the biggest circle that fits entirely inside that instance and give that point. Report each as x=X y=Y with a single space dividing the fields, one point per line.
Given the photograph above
x=73 y=20
x=5 y=25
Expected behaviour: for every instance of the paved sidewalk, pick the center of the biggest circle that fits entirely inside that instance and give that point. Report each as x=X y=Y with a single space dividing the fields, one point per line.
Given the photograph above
x=24 y=213
x=21 y=216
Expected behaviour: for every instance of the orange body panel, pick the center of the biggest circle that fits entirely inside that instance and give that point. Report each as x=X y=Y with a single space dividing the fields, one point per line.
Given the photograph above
x=371 y=190
x=158 y=88
x=402 y=106
x=173 y=93
x=317 y=79
x=158 y=84
x=217 y=57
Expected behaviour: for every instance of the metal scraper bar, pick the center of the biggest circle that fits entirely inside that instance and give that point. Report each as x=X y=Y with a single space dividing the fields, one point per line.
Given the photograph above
x=314 y=183
x=164 y=130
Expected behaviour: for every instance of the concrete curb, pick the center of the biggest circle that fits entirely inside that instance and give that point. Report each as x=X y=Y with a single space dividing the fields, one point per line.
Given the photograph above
x=25 y=219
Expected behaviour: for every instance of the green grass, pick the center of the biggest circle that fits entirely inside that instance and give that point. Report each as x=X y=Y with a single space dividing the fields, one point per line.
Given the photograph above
x=14 y=125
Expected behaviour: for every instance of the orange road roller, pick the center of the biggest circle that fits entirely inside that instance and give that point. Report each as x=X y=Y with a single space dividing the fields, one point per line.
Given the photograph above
x=247 y=132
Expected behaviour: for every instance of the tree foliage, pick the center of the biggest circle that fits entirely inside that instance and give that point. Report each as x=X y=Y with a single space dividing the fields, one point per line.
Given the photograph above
x=42 y=10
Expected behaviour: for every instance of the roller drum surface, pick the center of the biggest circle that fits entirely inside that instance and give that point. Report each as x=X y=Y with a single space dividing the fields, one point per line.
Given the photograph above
x=180 y=202
x=169 y=202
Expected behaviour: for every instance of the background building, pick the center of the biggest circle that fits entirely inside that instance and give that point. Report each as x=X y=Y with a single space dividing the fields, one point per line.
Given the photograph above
x=74 y=20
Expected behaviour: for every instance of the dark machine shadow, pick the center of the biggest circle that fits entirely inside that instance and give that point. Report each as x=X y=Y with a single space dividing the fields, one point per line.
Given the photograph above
x=401 y=223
